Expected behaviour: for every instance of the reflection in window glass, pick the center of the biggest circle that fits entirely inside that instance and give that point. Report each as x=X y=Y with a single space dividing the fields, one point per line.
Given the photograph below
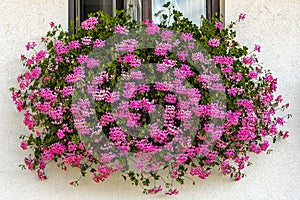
x=192 y=9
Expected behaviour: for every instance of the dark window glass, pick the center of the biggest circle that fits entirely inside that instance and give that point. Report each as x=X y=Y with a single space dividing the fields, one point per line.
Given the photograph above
x=89 y=6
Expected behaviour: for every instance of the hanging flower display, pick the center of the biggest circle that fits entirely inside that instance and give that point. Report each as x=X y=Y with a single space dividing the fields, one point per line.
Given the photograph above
x=146 y=100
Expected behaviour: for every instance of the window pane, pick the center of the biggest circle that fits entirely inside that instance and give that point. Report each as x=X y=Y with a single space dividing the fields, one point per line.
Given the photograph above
x=109 y=6
x=136 y=10
x=192 y=9
x=88 y=6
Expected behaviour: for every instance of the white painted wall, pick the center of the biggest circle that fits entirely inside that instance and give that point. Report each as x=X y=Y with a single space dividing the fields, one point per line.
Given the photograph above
x=272 y=23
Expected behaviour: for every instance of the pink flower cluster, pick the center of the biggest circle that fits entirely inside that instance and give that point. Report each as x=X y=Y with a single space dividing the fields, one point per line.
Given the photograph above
x=121 y=30
x=151 y=28
x=219 y=25
x=223 y=60
x=128 y=45
x=200 y=172
x=90 y=23
x=61 y=48
x=30 y=45
x=213 y=42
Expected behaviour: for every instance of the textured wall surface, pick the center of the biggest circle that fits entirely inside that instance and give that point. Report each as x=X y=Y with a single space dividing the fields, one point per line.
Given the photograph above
x=272 y=23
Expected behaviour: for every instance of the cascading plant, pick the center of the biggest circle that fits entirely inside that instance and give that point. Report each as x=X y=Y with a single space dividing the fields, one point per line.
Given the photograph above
x=146 y=100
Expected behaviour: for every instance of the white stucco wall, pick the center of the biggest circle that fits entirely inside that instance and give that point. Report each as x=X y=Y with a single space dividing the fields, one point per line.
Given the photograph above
x=272 y=23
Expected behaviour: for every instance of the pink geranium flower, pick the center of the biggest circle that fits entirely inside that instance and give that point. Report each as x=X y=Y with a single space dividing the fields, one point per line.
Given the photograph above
x=213 y=42
x=52 y=24
x=24 y=145
x=172 y=192
x=219 y=25
x=257 y=48
x=242 y=15
x=121 y=30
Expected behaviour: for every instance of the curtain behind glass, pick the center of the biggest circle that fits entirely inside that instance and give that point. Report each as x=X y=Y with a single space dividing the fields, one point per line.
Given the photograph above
x=192 y=9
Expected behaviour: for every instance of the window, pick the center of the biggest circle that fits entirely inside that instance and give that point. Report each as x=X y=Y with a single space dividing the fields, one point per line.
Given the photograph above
x=144 y=9
x=191 y=9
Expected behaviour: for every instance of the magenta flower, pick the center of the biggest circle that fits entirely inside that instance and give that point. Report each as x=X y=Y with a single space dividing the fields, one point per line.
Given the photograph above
x=257 y=48
x=60 y=134
x=86 y=40
x=219 y=25
x=182 y=55
x=213 y=42
x=198 y=56
x=74 y=44
x=72 y=146
x=30 y=45
x=285 y=135
x=232 y=91
x=90 y=23
x=152 y=28
x=91 y=63
x=155 y=190
x=265 y=145
x=223 y=60
x=166 y=34
x=35 y=73
x=280 y=121
x=128 y=45
x=106 y=119
x=247 y=60
x=52 y=24
x=37 y=133
x=170 y=98
x=187 y=37
x=162 y=49
x=98 y=43
x=40 y=56
x=144 y=88
x=147 y=21
x=121 y=30
x=138 y=75
x=57 y=148
x=60 y=47
x=242 y=15
x=172 y=192
x=252 y=74
x=24 y=145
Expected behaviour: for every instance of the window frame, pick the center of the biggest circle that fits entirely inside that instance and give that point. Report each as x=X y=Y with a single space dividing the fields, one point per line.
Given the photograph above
x=212 y=7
